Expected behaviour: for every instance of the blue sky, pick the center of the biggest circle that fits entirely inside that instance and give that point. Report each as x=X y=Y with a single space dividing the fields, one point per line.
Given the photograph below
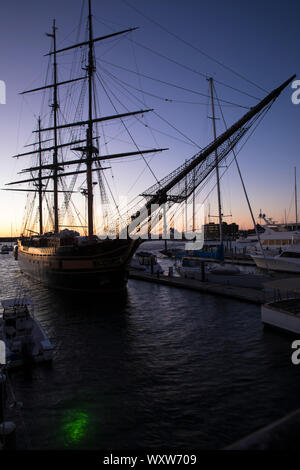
x=259 y=40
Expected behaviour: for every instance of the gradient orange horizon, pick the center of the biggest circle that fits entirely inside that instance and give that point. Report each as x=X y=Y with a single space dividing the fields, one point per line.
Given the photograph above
x=244 y=223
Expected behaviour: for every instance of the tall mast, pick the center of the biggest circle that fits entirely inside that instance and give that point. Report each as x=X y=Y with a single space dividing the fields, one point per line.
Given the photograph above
x=186 y=206
x=55 y=109
x=216 y=157
x=89 y=156
x=194 y=197
x=40 y=184
x=296 y=203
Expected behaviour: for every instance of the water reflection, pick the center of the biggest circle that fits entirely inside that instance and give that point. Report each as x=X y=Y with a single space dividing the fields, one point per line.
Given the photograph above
x=157 y=366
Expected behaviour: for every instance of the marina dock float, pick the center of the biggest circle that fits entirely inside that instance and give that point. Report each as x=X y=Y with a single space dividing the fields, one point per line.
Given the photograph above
x=247 y=294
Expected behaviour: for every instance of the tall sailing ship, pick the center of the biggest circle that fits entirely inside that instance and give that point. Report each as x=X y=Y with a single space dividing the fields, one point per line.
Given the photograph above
x=64 y=259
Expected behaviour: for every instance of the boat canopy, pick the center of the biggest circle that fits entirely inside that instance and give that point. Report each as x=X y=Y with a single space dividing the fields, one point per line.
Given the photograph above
x=217 y=255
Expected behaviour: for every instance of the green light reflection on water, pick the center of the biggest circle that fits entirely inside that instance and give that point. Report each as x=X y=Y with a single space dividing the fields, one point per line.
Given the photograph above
x=75 y=427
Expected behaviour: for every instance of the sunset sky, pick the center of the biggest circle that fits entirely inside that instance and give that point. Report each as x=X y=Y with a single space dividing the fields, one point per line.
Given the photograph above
x=247 y=47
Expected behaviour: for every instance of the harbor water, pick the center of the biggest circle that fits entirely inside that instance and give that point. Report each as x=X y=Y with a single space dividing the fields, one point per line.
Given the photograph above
x=156 y=367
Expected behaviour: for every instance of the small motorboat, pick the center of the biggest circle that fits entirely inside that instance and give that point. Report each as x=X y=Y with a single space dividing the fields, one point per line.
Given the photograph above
x=25 y=340
x=190 y=267
x=4 y=250
x=146 y=261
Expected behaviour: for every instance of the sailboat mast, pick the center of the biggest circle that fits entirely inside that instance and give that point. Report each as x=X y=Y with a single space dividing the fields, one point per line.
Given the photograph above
x=89 y=156
x=186 y=205
x=194 y=197
x=296 y=203
x=40 y=179
x=216 y=157
x=55 y=109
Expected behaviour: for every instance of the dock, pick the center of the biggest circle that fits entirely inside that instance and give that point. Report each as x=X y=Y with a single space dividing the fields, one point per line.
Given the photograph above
x=247 y=294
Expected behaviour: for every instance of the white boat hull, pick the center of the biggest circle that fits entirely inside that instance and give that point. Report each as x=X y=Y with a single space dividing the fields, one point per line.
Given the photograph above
x=41 y=348
x=275 y=317
x=277 y=263
x=190 y=273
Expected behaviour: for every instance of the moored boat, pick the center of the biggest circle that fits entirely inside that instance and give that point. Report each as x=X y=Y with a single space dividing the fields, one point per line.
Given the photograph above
x=274 y=237
x=64 y=263
x=25 y=339
x=146 y=261
x=287 y=261
x=284 y=311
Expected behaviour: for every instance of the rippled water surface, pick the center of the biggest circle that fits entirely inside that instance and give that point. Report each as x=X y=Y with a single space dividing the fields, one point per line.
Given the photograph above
x=156 y=367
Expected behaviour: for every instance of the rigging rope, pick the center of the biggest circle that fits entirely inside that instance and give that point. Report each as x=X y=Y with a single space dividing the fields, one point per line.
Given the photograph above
x=194 y=47
x=154 y=112
x=260 y=117
x=124 y=125
x=205 y=75
x=171 y=84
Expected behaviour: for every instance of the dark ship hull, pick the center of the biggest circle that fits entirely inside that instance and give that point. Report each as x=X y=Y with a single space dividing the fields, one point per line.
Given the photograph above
x=91 y=267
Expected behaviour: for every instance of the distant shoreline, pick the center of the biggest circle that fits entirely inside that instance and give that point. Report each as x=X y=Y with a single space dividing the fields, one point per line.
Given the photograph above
x=8 y=239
